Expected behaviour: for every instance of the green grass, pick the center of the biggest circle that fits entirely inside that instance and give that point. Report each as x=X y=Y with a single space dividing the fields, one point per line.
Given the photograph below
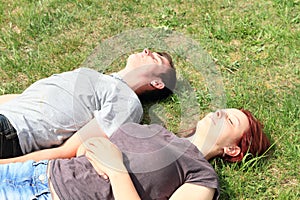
x=255 y=45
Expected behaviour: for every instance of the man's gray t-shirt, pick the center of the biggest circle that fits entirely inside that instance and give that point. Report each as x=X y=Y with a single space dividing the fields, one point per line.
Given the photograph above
x=52 y=109
x=158 y=163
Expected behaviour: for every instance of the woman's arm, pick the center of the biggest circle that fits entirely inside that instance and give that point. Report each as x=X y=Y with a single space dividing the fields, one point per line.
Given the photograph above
x=193 y=192
x=111 y=164
x=122 y=186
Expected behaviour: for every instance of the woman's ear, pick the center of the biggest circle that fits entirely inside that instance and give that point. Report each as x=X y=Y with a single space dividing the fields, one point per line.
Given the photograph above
x=232 y=151
x=158 y=84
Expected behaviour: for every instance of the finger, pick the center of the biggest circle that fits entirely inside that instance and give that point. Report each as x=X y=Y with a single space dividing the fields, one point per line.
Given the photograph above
x=91 y=155
x=105 y=176
x=96 y=166
x=102 y=174
x=92 y=147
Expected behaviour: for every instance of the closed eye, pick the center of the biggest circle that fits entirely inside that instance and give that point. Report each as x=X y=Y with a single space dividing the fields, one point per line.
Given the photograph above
x=157 y=58
x=229 y=119
x=233 y=120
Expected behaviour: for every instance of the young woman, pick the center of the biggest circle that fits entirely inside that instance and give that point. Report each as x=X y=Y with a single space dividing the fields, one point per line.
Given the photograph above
x=154 y=163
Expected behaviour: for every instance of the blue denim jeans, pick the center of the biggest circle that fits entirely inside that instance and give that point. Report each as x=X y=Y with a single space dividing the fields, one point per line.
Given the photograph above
x=26 y=181
x=9 y=141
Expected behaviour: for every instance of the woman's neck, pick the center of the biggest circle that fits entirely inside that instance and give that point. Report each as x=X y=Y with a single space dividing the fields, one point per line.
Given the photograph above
x=206 y=145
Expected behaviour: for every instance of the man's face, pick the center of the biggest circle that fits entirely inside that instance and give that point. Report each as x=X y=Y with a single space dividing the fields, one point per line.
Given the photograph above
x=146 y=57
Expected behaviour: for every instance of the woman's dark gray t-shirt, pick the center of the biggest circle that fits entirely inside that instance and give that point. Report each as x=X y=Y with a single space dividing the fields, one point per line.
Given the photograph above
x=157 y=160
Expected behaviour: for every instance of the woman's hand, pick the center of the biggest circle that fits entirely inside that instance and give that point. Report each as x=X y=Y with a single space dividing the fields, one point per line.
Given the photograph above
x=105 y=157
x=107 y=160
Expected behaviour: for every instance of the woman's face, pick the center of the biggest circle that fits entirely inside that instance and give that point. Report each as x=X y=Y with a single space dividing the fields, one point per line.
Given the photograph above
x=225 y=126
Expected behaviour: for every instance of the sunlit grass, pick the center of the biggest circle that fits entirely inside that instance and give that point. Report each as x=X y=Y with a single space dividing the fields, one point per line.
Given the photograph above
x=255 y=45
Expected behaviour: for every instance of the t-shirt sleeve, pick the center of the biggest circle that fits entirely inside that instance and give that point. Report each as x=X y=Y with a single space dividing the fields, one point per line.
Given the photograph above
x=118 y=110
x=200 y=172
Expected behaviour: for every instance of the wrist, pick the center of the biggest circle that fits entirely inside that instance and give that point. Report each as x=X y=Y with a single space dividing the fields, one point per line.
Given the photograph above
x=113 y=173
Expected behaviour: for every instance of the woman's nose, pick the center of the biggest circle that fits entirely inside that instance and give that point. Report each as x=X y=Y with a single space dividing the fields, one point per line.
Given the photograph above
x=219 y=113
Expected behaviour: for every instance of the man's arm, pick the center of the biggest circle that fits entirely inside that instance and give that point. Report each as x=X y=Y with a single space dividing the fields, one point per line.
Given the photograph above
x=66 y=150
x=7 y=97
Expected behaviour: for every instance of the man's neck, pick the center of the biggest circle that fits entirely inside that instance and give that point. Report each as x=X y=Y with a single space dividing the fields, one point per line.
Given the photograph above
x=134 y=79
x=122 y=73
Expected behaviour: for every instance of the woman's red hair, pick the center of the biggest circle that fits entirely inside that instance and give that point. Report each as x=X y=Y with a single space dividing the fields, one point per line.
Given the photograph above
x=253 y=141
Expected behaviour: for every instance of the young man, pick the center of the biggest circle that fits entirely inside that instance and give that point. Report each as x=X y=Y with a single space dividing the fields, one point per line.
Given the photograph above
x=50 y=111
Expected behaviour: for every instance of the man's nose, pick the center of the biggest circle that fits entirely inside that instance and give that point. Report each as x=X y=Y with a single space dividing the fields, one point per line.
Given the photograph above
x=146 y=52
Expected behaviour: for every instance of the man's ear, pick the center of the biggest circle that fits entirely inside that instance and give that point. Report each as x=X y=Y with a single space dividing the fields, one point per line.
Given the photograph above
x=232 y=150
x=158 y=84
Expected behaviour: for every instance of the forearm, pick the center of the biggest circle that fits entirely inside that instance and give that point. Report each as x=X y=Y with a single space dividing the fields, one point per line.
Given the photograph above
x=7 y=97
x=66 y=150
x=46 y=154
x=123 y=187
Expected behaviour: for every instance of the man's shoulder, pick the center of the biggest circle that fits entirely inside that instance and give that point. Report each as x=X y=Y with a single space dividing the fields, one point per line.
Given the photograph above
x=86 y=70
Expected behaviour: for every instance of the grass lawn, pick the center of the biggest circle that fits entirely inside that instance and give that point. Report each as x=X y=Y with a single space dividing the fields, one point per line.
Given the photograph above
x=254 y=45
